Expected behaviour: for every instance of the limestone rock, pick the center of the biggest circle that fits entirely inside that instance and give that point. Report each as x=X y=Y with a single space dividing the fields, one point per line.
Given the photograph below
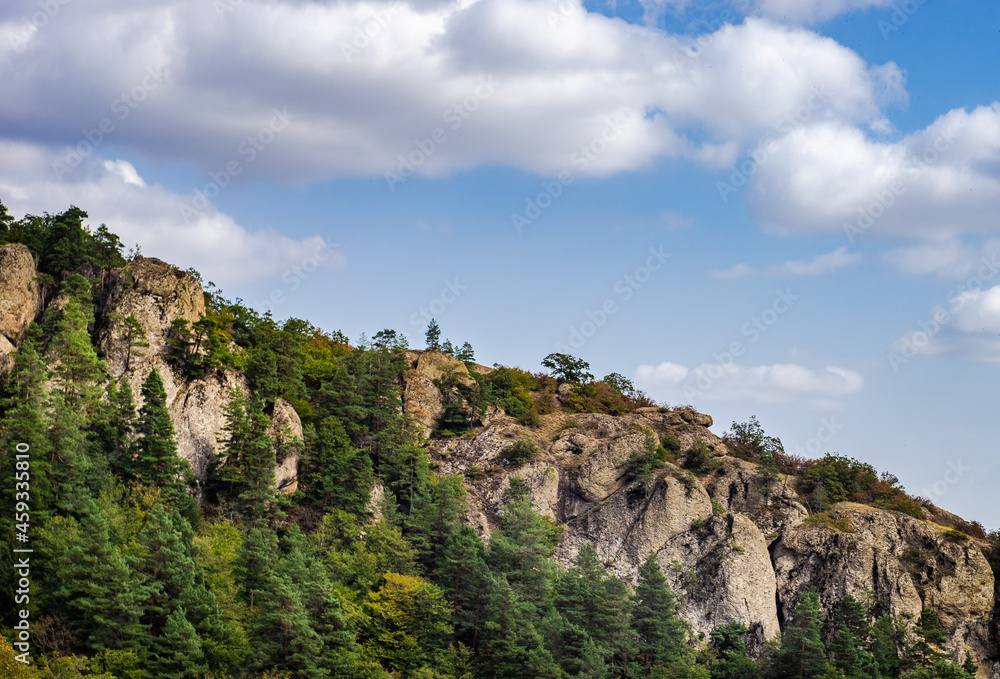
x=905 y=563
x=723 y=570
x=20 y=294
x=738 y=486
x=421 y=398
x=156 y=294
x=286 y=430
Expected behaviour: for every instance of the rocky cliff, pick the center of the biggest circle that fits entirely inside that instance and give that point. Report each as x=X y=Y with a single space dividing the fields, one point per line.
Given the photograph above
x=733 y=549
x=155 y=294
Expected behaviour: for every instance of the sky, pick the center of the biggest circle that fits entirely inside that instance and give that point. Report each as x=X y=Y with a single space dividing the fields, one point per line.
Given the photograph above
x=779 y=208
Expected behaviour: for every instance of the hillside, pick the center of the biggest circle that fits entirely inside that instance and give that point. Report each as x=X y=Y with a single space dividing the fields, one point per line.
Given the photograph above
x=215 y=493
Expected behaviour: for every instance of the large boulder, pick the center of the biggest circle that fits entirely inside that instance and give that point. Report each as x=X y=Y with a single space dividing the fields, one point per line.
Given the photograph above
x=421 y=398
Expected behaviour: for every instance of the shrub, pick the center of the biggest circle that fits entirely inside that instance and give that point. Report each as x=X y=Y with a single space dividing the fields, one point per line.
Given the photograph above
x=698 y=457
x=956 y=535
x=520 y=453
x=653 y=456
x=474 y=472
x=717 y=508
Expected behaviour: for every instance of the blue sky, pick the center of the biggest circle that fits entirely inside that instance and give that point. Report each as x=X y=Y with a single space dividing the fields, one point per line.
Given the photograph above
x=781 y=208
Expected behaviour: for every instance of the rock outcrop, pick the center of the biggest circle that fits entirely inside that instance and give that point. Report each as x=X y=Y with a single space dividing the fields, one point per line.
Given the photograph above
x=20 y=298
x=735 y=546
x=286 y=430
x=904 y=563
x=421 y=398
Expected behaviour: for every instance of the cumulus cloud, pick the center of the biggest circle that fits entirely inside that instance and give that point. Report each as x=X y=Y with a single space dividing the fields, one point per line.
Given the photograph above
x=968 y=326
x=820 y=264
x=951 y=259
x=164 y=223
x=936 y=184
x=182 y=81
x=778 y=383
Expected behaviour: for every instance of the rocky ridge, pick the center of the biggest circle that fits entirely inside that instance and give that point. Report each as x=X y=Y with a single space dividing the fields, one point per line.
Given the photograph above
x=733 y=549
x=155 y=293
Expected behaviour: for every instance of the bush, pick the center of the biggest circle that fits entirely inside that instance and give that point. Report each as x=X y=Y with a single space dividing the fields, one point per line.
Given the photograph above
x=698 y=457
x=520 y=453
x=653 y=456
x=717 y=508
x=956 y=535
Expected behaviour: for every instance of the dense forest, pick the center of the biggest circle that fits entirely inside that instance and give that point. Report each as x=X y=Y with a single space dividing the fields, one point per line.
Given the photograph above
x=140 y=570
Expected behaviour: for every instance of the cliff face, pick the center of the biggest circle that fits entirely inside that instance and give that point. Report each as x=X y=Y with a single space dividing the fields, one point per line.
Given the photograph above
x=156 y=294
x=732 y=548
x=20 y=298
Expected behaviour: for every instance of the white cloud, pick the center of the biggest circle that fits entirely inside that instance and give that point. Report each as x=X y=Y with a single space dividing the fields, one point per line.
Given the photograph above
x=936 y=184
x=778 y=383
x=950 y=259
x=179 y=81
x=113 y=193
x=807 y=11
x=818 y=265
x=969 y=327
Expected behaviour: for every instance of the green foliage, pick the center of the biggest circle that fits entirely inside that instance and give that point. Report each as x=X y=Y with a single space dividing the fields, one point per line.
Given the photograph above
x=432 y=338
x=566 y=368
x=802 y=650
x=833 y=523
x=956 y=535
x=661 y=634
x=510 y=388
x=61 y=242
x=154 y=460
x=654 y=455
x=698 y=457
x=246 y=473
x=520 y=453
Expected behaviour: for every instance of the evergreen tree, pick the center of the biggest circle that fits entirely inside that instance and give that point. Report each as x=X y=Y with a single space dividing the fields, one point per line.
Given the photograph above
x=511 y=647
x=432 y=339
x=77 y=366
x=281 y=633
x=101 y=596
x=598 y=606
x=848 y=642
x=335 y=474
x=247 y=474
x=154 y=461
x=462 y=573
x=802 y=652
x=661 y=634
x=437 y=517
x=132 y=336
x=466 y=354
x=521 y=551
x=256 y=557
x=180 y=652
x=732 y=661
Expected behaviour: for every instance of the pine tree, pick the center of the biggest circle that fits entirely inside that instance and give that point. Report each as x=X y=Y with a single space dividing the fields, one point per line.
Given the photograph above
x=848 y=645
x=520 y=550
x=732 y=662
x=466 y=354
x=281 y=632
x=437 y=516
x=173 y=581
x=336 y=475
x=133 y=337
x=247 y=475
x=511 y=647
x=256 y=557
x=154 y=461
x=598 y=606
x=661 y=634
x=462 y=573
x=77 y=367
x=802 y=652
x=432 y=339
x=101 y=596
x=180 y=652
